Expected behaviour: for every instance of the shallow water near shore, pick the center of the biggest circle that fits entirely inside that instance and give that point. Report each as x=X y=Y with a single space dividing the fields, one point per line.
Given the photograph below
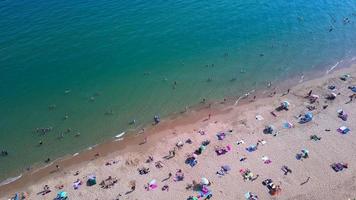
x=104 y=63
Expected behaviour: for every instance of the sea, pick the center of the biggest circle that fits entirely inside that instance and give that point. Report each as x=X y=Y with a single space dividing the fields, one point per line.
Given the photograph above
x=76 y=73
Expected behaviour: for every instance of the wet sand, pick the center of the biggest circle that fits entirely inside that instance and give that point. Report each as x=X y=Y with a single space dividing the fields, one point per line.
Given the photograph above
x=323 y=183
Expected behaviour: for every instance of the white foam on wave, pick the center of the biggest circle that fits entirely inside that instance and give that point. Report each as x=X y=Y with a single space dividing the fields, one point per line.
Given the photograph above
x=333 y=67
x=120 y=135
x=91 y=147
x=301 y=78
x=244 y=96
x=10 y=180
x=119 y=139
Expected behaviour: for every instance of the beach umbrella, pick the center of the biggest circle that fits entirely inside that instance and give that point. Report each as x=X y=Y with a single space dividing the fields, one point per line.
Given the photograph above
x=153 y=184
x=204 y=181
x=62 y=194
x=285 y=104
x=306 y=151
x=247 y=195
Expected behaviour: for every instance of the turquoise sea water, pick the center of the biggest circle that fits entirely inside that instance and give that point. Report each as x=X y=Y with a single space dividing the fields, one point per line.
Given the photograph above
x=100 y=51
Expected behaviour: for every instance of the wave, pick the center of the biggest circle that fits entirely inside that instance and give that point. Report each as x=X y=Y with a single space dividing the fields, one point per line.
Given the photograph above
x=333 y=67
x=10 y=180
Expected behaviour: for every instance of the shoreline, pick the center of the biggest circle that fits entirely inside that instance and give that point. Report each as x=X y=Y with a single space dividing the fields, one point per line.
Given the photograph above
x=129 y=142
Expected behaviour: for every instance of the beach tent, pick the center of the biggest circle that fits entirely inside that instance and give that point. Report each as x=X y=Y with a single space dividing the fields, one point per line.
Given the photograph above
x=204 y=181
x=306 y=118
x=226 y=168
x=285 y=104
x=342 y=115
x=251 y=148
x=343 y=130
x=353 y=88
x=269 y=129
x=91 y=180
x=153 y=184
x=62 y=195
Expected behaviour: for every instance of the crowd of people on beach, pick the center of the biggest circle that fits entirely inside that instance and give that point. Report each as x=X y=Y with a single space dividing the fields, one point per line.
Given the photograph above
x=203 y=187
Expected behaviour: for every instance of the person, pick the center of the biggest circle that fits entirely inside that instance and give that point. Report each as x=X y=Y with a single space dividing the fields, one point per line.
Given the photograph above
x=4 y=153
x=353 y=96
x=309 y=93
x=133 y=186
x=165 y=188
x=284 y=94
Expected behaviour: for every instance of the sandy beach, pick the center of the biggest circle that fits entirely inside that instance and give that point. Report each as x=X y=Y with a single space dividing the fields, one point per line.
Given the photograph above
x=167 y=146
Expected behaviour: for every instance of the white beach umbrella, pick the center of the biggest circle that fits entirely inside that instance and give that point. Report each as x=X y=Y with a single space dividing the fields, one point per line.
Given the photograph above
x=204 y=181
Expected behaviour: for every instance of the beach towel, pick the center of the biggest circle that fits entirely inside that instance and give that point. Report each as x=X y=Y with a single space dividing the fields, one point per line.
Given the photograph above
x=288 y=125
x=259 y=117
x=266 y=160
x=77 y=184
x=240 y=142
x=205 y=192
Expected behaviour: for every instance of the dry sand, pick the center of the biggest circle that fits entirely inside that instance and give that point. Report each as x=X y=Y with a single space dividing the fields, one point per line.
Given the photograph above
x=323 y=183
